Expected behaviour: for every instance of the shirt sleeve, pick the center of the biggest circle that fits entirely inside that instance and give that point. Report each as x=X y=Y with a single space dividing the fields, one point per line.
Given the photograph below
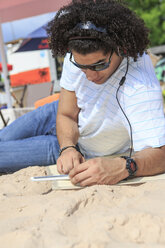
x=144 y=109
x=70 y=75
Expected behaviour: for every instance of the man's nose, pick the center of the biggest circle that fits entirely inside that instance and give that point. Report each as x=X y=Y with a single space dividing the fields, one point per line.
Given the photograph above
x=91 y=75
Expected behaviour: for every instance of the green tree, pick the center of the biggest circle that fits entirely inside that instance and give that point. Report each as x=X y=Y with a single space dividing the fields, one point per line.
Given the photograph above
x=153 y=14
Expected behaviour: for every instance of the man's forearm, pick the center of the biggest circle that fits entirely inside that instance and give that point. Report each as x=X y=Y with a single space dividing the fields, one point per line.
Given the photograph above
x=150 y=161
x=67 y=131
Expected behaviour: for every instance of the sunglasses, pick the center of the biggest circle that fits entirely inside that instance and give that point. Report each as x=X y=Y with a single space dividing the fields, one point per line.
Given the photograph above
x=100 y=66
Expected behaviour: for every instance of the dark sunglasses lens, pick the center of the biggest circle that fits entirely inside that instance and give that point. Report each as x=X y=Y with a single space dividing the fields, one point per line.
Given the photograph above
x=93 y=68
x=96 y=67
x=100 y=67
x=81 y=66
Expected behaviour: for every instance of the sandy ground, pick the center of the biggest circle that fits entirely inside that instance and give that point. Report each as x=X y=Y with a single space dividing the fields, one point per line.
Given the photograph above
x=34 y=216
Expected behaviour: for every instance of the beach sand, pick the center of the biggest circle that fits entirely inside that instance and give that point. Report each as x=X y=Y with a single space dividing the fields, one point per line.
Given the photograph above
x=34 y=216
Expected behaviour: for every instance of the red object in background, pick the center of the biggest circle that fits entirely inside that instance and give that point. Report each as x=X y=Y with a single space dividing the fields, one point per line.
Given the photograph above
x=35 y=76
x=9 y=67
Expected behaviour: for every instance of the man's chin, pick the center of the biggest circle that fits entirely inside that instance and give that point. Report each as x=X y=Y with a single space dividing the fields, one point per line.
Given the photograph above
x=100 y=81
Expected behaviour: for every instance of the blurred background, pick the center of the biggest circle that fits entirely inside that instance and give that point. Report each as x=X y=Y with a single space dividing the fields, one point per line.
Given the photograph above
x=28 y=72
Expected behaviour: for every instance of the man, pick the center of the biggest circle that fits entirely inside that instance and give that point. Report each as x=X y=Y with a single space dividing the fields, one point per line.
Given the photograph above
x=110 y=101
x=106 y=42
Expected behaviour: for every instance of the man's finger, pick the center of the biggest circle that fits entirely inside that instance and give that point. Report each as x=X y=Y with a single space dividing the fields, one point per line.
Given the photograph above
x=78 y=169
x=82 y=160
x=87 y=182
x=77 y=161
x=80 y=177
x=67 y=166
x=59 y=167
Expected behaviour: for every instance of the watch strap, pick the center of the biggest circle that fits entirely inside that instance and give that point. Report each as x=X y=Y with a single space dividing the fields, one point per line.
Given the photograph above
x=66 y=147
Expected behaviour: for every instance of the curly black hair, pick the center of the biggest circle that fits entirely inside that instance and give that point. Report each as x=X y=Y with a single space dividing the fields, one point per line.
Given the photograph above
x=125 y=31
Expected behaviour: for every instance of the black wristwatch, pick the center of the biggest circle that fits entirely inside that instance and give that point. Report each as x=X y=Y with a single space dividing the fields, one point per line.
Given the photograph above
x=131 y=165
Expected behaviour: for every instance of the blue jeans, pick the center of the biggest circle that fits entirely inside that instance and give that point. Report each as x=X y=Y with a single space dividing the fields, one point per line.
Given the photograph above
x=30 y=140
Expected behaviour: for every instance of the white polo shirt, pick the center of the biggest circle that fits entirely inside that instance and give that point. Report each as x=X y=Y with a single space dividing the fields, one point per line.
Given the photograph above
x=103 y=128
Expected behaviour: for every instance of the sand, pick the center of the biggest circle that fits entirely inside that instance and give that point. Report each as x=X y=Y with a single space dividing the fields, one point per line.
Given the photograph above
x=32 y=215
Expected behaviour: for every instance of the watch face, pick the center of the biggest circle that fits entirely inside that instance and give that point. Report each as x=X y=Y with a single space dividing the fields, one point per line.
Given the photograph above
x=131 y=165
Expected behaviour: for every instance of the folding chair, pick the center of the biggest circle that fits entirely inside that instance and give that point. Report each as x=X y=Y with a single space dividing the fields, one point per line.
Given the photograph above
x=3 y=119
x=47 y=99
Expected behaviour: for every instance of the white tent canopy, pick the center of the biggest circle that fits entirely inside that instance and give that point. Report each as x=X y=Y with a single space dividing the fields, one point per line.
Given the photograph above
x=18 y=9
x=16 y=30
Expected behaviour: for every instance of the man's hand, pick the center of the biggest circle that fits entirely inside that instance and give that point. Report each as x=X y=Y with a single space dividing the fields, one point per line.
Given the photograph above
x=69 y=159
x=102 y=170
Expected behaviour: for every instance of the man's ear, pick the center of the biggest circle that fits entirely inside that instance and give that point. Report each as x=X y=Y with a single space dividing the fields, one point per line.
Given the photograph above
x=122 y=52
